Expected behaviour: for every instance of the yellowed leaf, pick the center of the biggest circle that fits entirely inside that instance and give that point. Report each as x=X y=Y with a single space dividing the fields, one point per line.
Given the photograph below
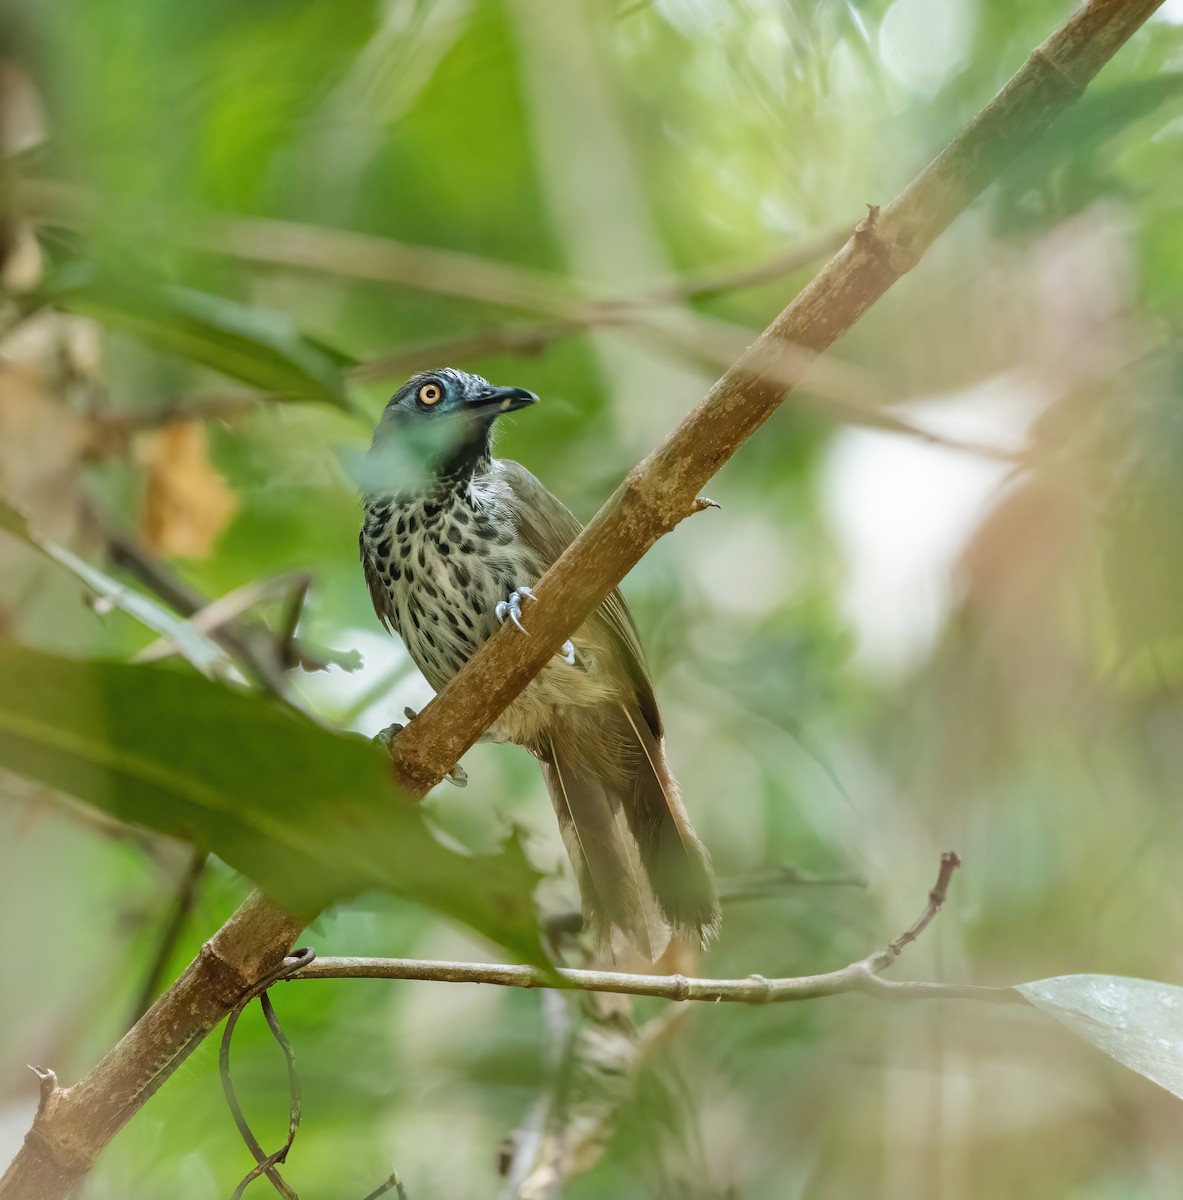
x=187 y=504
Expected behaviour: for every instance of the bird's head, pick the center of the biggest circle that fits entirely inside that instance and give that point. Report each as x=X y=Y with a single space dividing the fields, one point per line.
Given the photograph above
x=446 y=418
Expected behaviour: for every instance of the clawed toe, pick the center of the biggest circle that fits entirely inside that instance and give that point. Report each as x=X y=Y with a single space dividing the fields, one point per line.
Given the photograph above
x=512 y=607
x=385 y=738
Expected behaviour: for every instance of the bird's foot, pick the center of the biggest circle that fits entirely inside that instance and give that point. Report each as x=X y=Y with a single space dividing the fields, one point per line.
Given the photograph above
x=385 y=738
x=512 y=608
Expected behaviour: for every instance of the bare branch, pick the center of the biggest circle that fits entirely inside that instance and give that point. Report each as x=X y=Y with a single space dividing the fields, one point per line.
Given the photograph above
x=383 y=260
x=68 y=1133
x=528 y=341
x=112 y=427
x=531 y=340
x=861 y=976
x=264 y=656
x=451 y=273
x=392 y=1184
x=659 y=491
x=186 y=898
x=241 y=643
x=841 y=390
x=950 y=861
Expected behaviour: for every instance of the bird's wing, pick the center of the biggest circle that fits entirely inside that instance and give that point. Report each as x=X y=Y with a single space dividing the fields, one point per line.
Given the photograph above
x=378 y=593
x=549 y=527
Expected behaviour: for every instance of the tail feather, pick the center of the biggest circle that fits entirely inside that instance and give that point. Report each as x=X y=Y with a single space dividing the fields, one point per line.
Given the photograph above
x=640 y=867
x=608 y=867
x=677 y=863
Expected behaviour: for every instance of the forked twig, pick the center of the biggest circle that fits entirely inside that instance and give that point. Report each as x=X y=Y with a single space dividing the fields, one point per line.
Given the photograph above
x=860 y=976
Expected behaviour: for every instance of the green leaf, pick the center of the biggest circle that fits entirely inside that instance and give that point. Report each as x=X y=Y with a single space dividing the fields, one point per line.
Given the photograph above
x=1139 y=1022
x=310 y=815
x=258 y=346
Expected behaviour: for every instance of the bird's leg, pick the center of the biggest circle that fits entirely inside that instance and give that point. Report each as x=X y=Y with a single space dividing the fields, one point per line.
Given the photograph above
x=512 y=608
x=385 y=738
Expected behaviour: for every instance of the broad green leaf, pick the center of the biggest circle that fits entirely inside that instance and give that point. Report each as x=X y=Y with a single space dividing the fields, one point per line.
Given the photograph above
x=191 y=643
x=1139 y=1022
x=310 y=815
x=258 y=346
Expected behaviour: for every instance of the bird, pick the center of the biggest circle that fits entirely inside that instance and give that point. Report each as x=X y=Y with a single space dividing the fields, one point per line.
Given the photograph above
x=452 y=543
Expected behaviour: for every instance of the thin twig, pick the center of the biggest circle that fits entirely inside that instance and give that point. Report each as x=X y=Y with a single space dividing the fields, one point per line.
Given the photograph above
x=343 y=252
x=289 y=655
x=242 y=645
x=228 y=609
x=392 y=1184
x=761 y=885
x=531 y=340
x=119 y=424
x=840 y=390
x=452 y=273
x=186 y=898
x=950 y=861
x=860 y=976
x=266 y=1164
x=264 y=656
x=525 y=341
x=777 y=880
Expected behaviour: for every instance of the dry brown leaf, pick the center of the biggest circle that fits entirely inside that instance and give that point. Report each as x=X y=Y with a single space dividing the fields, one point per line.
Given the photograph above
x=187 y=504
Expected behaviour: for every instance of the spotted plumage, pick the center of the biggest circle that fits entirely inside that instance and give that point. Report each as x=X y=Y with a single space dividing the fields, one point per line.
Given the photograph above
x=453 y=546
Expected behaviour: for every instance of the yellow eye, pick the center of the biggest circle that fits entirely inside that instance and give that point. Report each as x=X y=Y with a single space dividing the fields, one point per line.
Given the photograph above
x=430 y=393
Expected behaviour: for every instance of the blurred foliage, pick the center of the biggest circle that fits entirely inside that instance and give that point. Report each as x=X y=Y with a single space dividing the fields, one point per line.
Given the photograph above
x=878 y=649
x=259 y=348
x=308 y=815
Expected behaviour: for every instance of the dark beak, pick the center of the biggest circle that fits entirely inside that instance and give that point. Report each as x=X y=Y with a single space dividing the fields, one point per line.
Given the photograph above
x=494 y=401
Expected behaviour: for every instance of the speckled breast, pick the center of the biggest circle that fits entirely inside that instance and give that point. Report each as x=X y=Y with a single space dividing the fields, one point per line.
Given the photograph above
x=445 y=563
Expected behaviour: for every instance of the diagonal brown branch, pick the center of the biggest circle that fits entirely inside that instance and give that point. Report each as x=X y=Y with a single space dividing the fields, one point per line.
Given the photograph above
x=74 y=1124
x=660 y=491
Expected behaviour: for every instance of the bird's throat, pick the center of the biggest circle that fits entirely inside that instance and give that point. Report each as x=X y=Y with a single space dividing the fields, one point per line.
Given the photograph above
x=467 y=457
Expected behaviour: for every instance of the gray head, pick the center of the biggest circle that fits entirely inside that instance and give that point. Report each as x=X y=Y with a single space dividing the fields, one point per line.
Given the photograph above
x=450 y=414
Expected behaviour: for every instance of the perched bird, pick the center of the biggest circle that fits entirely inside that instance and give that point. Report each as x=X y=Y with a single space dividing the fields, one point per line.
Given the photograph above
x=452 y=543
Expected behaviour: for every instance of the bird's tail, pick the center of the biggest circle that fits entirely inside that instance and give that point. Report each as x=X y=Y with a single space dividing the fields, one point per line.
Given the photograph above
x=641 y=868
